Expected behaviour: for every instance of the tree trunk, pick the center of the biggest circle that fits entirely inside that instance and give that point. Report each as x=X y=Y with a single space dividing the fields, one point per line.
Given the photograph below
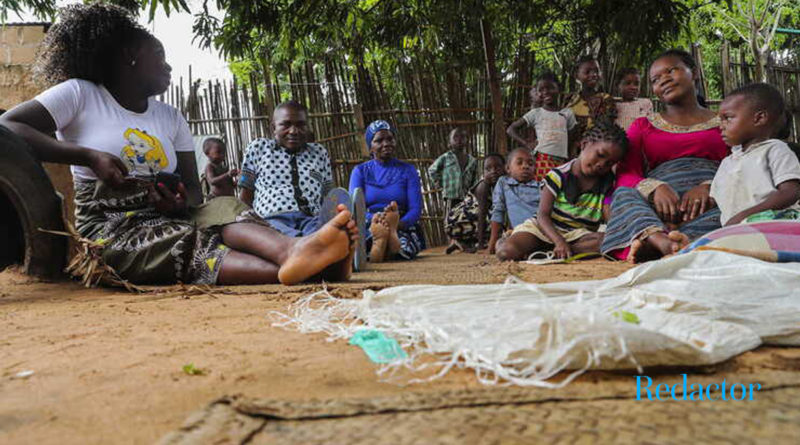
x=759 y=58
x=494 y=89
x=269 y=102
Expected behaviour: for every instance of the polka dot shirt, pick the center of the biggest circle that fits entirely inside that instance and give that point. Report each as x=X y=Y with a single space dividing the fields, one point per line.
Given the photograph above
x=285 y=182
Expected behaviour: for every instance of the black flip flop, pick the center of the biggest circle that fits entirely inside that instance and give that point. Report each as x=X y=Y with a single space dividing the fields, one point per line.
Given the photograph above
x=359 y=207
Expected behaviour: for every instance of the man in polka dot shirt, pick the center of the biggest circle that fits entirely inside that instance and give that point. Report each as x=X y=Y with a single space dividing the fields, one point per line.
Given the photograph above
x=285 y=179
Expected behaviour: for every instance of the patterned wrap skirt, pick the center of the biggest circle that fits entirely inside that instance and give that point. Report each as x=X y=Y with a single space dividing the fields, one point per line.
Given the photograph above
x=145 y=247
x=545 y=163
x=461 y=222
x=631 y=214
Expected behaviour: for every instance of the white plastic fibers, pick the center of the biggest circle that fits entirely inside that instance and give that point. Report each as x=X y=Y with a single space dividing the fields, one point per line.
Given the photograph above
x=694 y=309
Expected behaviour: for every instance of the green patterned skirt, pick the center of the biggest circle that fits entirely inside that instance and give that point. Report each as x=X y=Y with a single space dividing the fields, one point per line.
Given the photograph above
x=145 y=247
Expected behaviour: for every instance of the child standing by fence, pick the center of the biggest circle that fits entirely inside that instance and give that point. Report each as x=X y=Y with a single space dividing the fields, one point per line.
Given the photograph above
x=221 y=180
x=632 y=106
x=573 y=201
x=551 y=123
x=589 y=104
x=455 y=171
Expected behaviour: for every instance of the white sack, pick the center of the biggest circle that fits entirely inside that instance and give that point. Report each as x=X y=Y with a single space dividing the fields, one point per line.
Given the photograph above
x=693 y=309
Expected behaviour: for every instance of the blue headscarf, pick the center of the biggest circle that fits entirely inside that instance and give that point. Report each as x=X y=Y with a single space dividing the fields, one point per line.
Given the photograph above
x=374 y=128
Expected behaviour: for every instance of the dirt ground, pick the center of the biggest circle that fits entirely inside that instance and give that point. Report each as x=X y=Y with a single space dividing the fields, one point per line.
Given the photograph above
x=107 y=368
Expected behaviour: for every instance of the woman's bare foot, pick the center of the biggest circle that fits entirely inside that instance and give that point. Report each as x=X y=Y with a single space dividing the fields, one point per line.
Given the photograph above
x=636 y=254
x=679 y=240
x=312 y=254
x=658 y=245
x=380 y=237
x=392 y=217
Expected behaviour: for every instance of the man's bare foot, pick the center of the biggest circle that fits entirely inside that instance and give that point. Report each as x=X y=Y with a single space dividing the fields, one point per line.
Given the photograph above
x=312 y=254
x=341 y=270
x=393 y=219
x=380 y=237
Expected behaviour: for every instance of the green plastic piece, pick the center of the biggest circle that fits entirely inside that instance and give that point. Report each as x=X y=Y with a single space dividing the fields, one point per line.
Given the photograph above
x=628 y=317
x=378 y=347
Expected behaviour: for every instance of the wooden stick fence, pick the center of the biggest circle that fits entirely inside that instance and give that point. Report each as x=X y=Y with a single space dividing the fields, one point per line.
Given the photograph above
x=233 y=111
x=343 y=101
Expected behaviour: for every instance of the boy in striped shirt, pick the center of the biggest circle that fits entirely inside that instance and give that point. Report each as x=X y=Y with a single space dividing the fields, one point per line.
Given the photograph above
x=574 y=200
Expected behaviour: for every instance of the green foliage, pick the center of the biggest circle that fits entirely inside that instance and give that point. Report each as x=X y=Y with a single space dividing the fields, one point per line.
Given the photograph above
x=42 y=9
x=438 y=36
x=444 y=37
x=709 y=25
x=47 y=9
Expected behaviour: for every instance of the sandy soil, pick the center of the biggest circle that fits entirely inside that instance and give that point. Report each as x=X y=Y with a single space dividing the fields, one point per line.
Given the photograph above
x=107 y=365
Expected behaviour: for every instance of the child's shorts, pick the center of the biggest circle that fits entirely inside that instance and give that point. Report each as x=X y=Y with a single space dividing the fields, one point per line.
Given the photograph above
x=545 y=163
x=532 y=227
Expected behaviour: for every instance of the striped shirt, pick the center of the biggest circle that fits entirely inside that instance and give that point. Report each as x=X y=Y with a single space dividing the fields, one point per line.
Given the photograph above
x=447 y=174
x=573 y=208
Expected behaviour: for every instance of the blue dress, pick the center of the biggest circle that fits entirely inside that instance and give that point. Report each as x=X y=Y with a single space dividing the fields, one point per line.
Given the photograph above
x=393 y=180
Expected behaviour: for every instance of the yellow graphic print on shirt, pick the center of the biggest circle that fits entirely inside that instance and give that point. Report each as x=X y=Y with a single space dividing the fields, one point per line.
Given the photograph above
x=144 y=154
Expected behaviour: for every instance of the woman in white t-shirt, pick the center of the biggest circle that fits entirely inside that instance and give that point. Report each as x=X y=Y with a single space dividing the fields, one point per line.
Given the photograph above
x=123 y=144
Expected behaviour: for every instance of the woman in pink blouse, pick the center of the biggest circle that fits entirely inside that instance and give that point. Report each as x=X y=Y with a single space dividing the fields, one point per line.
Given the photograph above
x=662 y=199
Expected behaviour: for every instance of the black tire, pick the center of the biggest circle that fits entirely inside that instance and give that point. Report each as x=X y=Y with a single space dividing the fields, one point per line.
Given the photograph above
x=30 y=203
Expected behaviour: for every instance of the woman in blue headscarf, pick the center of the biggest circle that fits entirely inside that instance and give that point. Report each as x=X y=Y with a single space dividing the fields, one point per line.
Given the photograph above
x=393 y=197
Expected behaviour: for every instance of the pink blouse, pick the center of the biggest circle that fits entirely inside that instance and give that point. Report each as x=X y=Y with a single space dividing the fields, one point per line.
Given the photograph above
x=654 y=141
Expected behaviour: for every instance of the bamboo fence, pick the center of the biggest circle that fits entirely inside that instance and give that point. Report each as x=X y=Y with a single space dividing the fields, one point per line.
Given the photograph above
x=241 y=112
x=736 y=72
x=343 y=101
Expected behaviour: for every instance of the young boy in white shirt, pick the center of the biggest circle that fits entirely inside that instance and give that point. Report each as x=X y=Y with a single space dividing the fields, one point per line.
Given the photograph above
x=760 y=179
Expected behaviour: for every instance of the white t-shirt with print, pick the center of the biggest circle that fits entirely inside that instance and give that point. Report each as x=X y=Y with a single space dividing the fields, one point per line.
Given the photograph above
x=88 y=115
x=551 y=129
x=745 y=178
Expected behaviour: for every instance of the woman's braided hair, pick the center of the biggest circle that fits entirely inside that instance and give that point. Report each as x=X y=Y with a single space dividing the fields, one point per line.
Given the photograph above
x=605 y=130
x=86 y=43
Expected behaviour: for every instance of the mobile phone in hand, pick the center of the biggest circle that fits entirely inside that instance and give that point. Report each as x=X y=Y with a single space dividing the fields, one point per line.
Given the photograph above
x=170 y=180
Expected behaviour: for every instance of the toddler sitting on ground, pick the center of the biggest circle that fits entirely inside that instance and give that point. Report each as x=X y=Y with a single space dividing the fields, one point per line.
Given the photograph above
x=760 y=179
x=574 y=200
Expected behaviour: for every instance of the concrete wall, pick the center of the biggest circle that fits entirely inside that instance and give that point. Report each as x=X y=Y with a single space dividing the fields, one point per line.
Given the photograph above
x=18 y=46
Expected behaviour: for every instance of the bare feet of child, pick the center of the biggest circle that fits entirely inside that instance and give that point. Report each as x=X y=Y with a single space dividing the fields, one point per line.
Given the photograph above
x=312 y=254
x=393 y=219
x=380 y=237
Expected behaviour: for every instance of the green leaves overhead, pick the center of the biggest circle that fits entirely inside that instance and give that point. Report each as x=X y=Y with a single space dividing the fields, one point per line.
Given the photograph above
x=42 y=9
x=47 y=9
x=291 y=31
